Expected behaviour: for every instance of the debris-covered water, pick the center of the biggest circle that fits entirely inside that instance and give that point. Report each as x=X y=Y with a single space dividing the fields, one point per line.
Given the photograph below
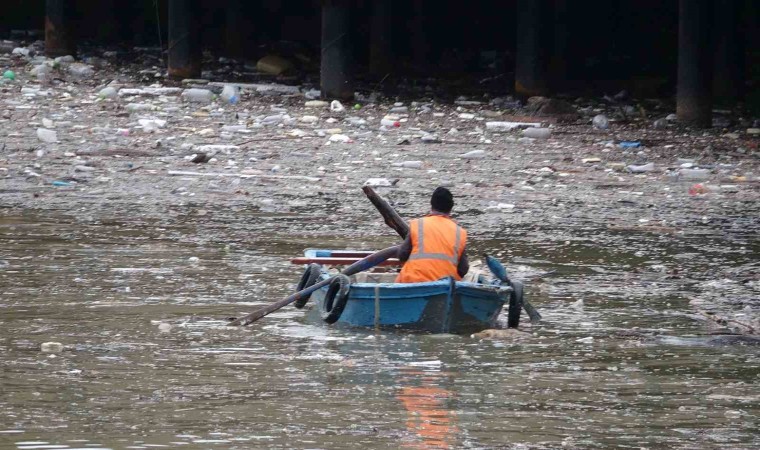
x=137 y=214
x=140 y=308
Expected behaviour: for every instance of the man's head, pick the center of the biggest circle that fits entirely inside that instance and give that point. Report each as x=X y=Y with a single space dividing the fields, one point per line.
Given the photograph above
x=442 y=200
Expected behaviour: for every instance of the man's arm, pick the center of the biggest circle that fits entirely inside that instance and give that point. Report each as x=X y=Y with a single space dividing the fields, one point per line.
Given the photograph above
x=405 y=249
x=464 y=266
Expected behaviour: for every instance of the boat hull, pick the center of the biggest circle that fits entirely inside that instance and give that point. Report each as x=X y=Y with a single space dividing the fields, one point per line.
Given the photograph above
x=441 y=306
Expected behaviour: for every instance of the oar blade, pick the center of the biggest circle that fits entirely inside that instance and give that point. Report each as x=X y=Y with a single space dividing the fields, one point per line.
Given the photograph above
x=496 y=268
x=500 y=272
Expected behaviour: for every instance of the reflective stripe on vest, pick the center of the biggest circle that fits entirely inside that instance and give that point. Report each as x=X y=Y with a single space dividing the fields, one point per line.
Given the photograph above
x=421 y=254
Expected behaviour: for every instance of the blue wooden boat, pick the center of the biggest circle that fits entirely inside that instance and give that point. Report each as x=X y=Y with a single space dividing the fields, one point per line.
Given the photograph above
x=373 y=299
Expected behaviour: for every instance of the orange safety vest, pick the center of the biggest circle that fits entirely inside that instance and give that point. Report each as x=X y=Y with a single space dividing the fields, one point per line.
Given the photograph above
x=437 y=244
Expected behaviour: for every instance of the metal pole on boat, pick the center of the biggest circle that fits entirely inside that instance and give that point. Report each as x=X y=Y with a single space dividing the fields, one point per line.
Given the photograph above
x=377 y=307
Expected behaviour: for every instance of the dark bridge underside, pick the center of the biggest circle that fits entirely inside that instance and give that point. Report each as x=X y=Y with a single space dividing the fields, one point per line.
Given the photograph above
x=706 y=51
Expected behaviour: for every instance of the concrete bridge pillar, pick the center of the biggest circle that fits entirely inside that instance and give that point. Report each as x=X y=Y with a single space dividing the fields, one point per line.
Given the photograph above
x=108 y=20
x=381 y=44
x=695 y=62
x=237 y=27
x=335 y=65
x=59 y=38
x=419 y=35
x=727 y=79
x=533 y=43
x=184 y=39
x=558 y=63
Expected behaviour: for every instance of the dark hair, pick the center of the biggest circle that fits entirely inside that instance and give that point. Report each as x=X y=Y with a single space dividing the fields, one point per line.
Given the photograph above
x=442 y=200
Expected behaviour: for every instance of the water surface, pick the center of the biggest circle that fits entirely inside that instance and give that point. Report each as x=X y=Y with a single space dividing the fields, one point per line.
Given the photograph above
x=149 y=362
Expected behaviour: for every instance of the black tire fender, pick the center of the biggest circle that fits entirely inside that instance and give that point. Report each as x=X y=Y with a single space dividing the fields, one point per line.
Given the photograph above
x=515 y=305
x=308 y=279
x=336 y=299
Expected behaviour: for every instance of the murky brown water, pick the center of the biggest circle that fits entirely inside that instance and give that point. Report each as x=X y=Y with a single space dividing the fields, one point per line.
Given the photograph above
x=584 y=379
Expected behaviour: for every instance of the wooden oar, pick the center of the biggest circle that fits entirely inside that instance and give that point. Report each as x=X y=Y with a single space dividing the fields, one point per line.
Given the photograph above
x=359 y=266
x=338 y=261
x=393 y=220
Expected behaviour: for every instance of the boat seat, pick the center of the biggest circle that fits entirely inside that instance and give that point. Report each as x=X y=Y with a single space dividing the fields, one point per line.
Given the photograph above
x=476 y=274
x=372 y=277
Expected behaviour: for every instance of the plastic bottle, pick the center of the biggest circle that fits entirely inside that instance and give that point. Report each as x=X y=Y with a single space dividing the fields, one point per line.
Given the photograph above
x=340 y=138
x=316 y=104
x=51 y=347
x=108 y=93
x=197 y=95
x=151 y=125
x=234 y=128
x=42 y=71
x=66 y=59
x=693 y=174
x=507 y=126
x=337 y=106
x=475 y=154
x=230 y=94
x=380 y=182
x=273 y=120
x=167 y=91
x=600 y=122
x=137 y=107
x=81 y=71
x=641 y=168
x=46 y=135
x=409 y=164
x=390 y=123
x=126 y=92
x=537 y=133
x=312 y=94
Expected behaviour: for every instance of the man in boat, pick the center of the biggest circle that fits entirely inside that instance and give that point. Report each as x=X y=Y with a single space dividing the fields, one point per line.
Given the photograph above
x=435 y=246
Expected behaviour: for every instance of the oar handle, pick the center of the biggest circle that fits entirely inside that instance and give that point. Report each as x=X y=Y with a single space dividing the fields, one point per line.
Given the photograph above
x=371 y=260
x=359 y=266
x=391 y=217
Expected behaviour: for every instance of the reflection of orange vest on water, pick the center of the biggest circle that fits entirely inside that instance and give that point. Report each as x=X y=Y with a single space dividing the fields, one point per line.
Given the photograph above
x=437 y=244
x=429 y=417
